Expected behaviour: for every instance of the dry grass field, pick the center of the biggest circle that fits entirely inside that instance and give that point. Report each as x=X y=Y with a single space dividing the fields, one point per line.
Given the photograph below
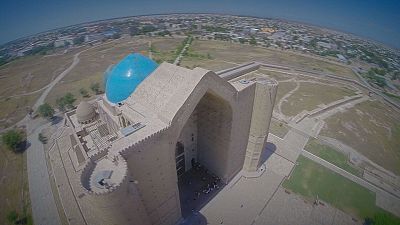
x=284 y=88
x=310 y=95
x=24 y=76
x=14 y=109
x=278 y=76
x=32 y=73
x=94 y=62
x=14 y=190
x=238 y=53
x=164 y=49
x=210 y=64
x=373 y=129
x=92 y=65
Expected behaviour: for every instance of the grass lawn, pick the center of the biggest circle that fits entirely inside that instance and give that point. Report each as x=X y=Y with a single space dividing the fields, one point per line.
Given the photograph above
x=331 y=155
x=311 y=179
x=278 y=128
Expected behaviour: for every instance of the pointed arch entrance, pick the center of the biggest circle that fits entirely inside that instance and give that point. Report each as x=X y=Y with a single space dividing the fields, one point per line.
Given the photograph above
x=201 y=151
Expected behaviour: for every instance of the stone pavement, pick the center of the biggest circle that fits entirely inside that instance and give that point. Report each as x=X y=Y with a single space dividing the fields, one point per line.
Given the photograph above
x=261 y=200
x=68 y=201
x=286 y=208
x=43 y=206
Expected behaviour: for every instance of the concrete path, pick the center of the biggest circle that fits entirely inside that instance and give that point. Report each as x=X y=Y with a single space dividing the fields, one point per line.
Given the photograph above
x=44 y=209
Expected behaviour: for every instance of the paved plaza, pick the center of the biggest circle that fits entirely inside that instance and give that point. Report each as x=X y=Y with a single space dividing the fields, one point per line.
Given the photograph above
x=262 y=200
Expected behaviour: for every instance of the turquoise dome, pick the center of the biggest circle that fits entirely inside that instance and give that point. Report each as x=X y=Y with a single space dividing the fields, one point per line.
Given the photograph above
x=123 y=78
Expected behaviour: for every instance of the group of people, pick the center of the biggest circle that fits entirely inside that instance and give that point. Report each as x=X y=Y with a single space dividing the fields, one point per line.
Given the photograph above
x=211 y=181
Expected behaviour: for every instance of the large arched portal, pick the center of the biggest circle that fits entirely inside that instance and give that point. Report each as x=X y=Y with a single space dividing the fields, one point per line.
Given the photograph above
x=203 y=145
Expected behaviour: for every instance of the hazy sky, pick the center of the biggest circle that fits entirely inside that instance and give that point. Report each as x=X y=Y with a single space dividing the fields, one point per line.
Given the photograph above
x=378 y=20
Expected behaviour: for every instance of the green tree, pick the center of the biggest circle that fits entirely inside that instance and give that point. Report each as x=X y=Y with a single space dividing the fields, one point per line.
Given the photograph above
x=60 y=104
x=12 y=217
x=95 y=87
x=148 y=28
x=46 y=111
x=134 y=31
x=42 y=138
x=253 y=41
x=11 y=139
x=79 y=40
x=84 y=92
x=116 y=35
x=69 y=100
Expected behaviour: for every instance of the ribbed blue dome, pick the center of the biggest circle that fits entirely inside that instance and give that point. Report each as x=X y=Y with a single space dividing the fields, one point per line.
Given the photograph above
x=123 y=78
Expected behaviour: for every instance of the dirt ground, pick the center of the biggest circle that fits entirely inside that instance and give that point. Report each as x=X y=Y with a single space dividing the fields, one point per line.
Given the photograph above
x=373 y=129
x=310 y=95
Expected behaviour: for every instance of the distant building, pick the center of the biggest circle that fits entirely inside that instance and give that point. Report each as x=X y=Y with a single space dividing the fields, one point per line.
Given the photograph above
x=62 y=41
x=326 y=45
x=24 y=51
x=267 y=30
x=341 y=57
x=253 y=30
x=94 y=37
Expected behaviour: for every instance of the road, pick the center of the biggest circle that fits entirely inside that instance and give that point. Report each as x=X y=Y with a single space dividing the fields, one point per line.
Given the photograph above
x=44 y=209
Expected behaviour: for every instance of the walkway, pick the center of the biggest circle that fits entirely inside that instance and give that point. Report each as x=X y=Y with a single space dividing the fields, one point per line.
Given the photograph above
x=262 y=200
x=44 y=209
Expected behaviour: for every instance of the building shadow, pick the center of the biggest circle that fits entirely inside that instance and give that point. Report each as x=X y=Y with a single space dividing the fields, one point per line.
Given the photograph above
x=269 y=149
x=196 y=218
x=196 y=188
x=21 y=147
x=56 y=119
